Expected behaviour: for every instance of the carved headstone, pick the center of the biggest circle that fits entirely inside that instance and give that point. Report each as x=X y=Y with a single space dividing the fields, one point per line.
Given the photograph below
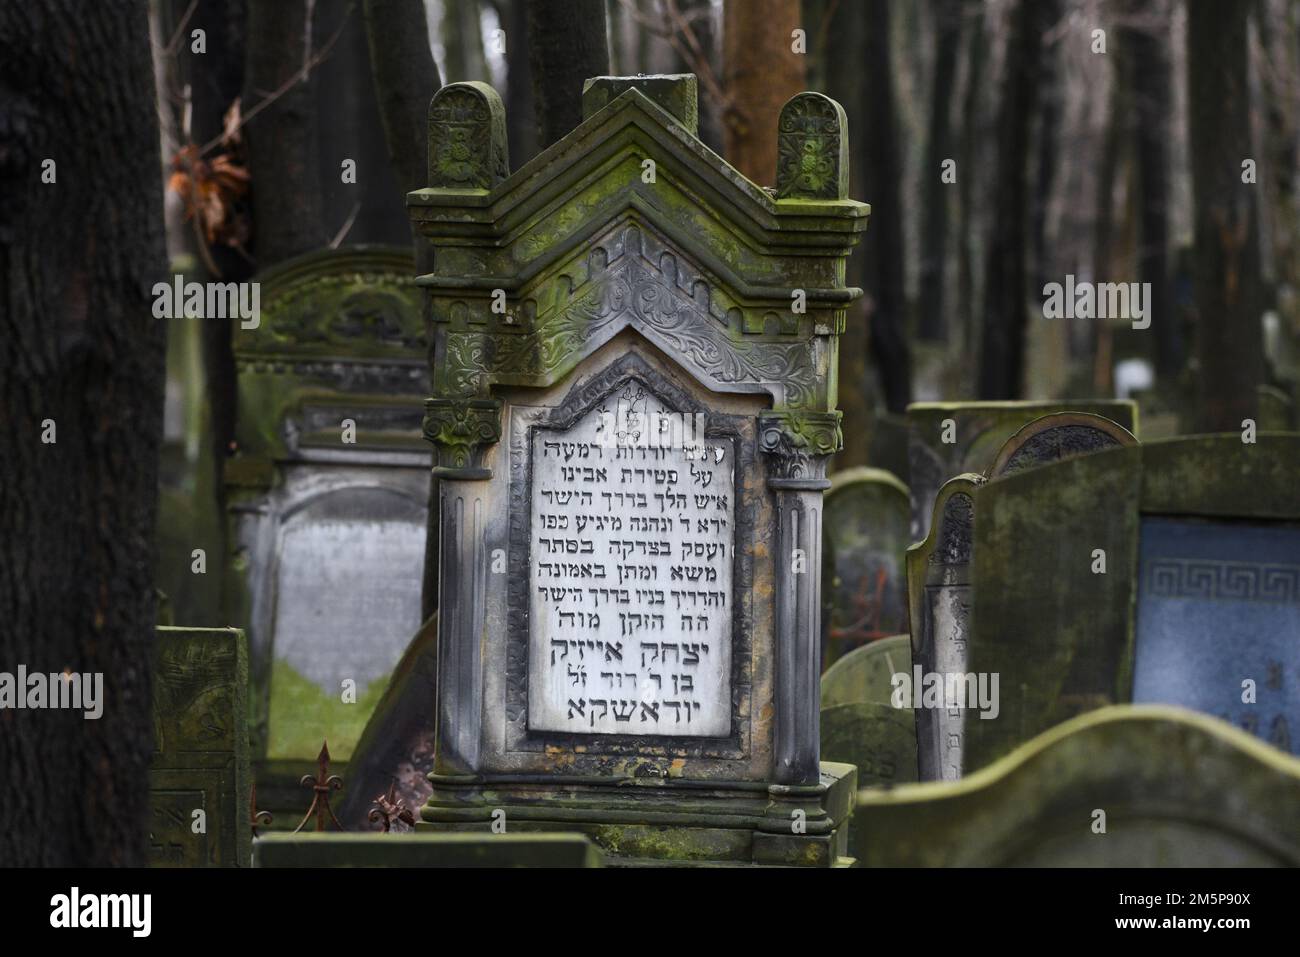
x=328 y=495
x=1058 y=436
x=949 y=438
x=939 y=595
x=199 y=783
x=1160 y=572
x=863 y=571
x=632 y=416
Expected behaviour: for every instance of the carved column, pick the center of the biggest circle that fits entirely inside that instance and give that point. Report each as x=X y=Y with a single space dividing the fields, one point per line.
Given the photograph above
x=461 y=430
x=798 y=445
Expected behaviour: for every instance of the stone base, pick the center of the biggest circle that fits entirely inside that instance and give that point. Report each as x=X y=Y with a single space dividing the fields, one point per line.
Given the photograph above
x=654 y=822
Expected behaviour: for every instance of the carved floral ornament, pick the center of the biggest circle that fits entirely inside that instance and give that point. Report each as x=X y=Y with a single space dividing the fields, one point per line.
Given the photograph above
x=812 y=150
x=799 y=442
x=461 y=429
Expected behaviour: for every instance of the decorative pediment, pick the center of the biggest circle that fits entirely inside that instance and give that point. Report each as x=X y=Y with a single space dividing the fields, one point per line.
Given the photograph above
x=629 y=276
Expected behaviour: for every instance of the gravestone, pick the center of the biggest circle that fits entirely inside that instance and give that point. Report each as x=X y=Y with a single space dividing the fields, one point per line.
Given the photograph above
x=328 y=497
x=1178 y=789
x=1158 y=573
x=866 y=535
x=939 y=595
x=979 y=431
x=859 y=723
x=633 y=372
x=866 y=673
x=199 y=781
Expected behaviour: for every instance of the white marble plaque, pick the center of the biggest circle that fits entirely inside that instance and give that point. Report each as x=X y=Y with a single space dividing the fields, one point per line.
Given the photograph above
x=630 y=583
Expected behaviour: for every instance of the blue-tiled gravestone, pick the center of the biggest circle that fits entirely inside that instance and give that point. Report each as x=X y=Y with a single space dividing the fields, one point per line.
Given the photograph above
x=1164 y=572
x=1219 y=605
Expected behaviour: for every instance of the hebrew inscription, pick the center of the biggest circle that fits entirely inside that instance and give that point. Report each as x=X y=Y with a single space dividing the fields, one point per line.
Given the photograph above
x=632 y=520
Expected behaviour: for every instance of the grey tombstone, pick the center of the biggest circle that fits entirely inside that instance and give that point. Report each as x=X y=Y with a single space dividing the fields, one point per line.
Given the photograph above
x=866 y=536
x=632 y=422
x=328 y=495
x=860 y=722
x=1164 y=572
x=978 y=432
x=939 y=593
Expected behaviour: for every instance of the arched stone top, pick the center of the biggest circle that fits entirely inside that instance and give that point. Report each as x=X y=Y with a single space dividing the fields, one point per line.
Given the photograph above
x=812 y=159
x=467 y=137
x=1060 y=436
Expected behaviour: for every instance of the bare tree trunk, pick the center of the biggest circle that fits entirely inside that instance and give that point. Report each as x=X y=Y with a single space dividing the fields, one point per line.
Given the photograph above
x=281 y=142
x=1147 y=47
x=1226 y=257
x=567 y=45
x=938 y=147
x=462 y=37
x=1002 y=357
x=521 y=127
x=760 y=72
x=405 y=79
x=883 y=242
x=968 y=168
x=83 y=355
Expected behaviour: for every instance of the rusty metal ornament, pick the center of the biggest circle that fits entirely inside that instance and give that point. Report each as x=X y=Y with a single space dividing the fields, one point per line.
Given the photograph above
x=388 y=808
x=321 y=785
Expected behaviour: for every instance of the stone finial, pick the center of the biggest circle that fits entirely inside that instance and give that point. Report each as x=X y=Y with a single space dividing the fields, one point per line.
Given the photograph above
x=467 y=137
x=812 y=151
x=678 y=93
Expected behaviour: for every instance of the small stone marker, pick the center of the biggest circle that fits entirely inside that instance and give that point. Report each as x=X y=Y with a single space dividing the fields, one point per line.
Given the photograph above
x=866 y=536
x=199 y=782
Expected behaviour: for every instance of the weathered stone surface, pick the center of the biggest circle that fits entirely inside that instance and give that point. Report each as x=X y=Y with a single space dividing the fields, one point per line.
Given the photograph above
x=565 y=295
x=1178 y=789
x=980 y=429
x=812 y=149
x=678 y=93
x=200 y=762
x=878 y=739
x=1218 y=621
x=940 y=600
x=864 y=674
x=467 y=137
x=425 y=850
x=867 y=533
x=327 y=502
x=1063 y=637
x=1061 y=435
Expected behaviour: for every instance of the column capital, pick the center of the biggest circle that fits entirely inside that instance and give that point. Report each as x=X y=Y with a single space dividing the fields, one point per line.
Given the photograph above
x=462 y=430
x=798 y=445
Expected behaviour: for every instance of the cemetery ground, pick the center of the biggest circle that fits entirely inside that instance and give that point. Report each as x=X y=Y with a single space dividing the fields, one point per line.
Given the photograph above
x=553 y=531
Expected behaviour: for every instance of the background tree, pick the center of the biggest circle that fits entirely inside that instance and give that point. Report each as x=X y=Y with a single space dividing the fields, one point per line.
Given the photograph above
x=760 y=72
x=405 y=79
x=1002 y=356
x=935 y=193
x=83 y=354
x=1226 y=259
x=567 y=44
